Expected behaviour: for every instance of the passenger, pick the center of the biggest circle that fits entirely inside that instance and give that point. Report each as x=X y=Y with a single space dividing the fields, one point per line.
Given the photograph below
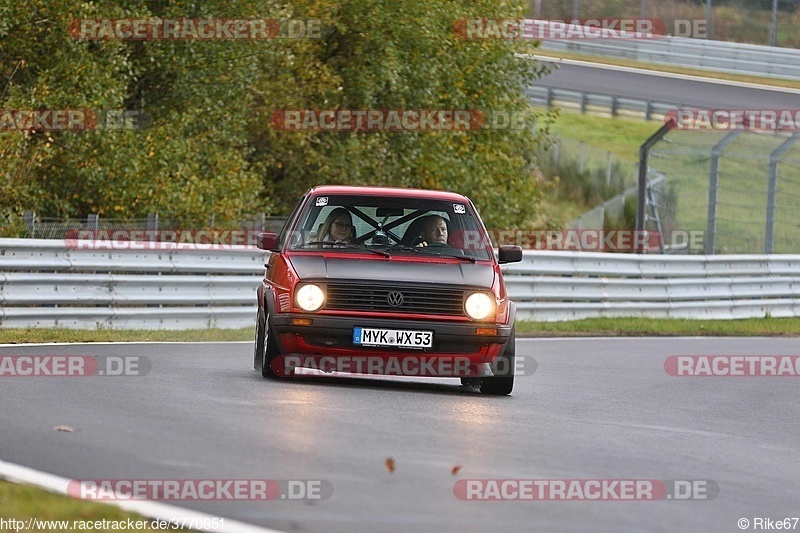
x=338 y=227
x=434 y=231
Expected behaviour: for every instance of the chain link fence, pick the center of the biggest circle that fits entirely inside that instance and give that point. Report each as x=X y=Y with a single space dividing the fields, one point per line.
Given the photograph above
x=728 y=192
x=38 y=227
x=591 y=176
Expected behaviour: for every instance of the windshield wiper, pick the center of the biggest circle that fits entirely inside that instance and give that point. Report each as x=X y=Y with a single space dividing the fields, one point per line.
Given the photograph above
x=427 y=251
x=346 y=245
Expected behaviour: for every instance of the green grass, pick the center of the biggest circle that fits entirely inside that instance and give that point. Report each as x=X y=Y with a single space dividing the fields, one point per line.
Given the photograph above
x=685 y=159
x=620 y=135
x=637 y=327
x=742 y=193
x=32 y=335
x=22 y=502
x=594 y=326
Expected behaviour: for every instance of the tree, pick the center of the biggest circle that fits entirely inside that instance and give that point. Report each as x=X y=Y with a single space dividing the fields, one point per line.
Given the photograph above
x=209 y=148
x=382 y=55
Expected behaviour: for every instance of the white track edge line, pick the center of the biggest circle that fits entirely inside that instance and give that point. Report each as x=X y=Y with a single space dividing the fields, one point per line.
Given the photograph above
x=156 y=510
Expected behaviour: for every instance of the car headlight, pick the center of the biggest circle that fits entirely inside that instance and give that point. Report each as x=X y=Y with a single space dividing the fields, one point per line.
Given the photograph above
x=479 y=305
x=309 y=297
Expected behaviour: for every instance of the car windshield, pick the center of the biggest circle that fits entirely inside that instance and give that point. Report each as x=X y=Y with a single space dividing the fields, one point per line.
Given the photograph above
x=391 y=225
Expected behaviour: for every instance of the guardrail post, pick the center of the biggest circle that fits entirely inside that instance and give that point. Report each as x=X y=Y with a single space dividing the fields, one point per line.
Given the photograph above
x=772 y=191
x=648 y=110
x=152 y=221
x=549 y=97
x=709 y=20
x=644 y=156
x=614 y=105
x=773 y=29
x=29 y=218
x=555 y=151
x=584 y=98
x=713 y=187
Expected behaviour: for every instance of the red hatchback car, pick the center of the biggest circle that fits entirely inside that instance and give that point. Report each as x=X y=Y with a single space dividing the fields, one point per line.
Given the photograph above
x=386 y=281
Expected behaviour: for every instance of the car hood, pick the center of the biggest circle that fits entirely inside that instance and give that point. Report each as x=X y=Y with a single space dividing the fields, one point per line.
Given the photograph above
x=378 y=269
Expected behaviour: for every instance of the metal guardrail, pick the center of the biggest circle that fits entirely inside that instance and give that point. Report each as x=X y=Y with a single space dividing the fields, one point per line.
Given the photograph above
x=45 y=284
x=719 y=56
x=551 y=286
x=596 y=102
x=610 y=104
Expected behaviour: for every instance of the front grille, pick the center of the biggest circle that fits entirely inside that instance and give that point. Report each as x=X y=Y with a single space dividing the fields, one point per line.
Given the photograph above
x=425 y=299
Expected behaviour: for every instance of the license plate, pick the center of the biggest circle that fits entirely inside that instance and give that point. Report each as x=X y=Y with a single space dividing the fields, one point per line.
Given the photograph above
x=393 y=338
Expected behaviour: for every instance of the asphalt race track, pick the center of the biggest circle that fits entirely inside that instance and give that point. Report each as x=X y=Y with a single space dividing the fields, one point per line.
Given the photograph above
x=667 y=89
x=594 y=409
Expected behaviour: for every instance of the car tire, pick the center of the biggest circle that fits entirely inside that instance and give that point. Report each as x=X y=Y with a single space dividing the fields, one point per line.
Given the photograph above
x=258 y=348
x=503 y=384
x=266 y=348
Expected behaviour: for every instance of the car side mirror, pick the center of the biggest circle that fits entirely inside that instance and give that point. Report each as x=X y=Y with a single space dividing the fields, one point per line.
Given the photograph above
x=267 y=241
x=510 y=253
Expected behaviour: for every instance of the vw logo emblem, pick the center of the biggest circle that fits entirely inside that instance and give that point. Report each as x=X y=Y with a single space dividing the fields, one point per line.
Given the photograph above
x=395 y=299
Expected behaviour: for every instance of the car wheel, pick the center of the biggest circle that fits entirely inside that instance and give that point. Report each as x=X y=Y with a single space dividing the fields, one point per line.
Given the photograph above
x=258 y=349
x=267 y=348
x=270 y=353
x=502 y=383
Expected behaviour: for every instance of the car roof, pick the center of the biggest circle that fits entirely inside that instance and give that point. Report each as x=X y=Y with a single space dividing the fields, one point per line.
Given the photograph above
x=387 y=191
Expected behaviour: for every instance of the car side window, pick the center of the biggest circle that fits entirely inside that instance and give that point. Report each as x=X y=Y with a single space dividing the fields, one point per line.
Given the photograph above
x=289 y=221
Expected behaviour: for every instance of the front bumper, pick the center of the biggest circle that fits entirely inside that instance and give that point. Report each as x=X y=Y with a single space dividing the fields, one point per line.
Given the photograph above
x=336 y=332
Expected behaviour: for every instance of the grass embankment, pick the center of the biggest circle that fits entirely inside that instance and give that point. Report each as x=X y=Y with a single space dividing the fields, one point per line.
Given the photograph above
x=33 y=335
x=685 y=159
x=25 y=502
x=634 y=327
x=595 y=326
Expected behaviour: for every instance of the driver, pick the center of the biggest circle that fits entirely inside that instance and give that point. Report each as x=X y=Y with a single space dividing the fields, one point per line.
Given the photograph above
x=434 y=231
x=337 y=229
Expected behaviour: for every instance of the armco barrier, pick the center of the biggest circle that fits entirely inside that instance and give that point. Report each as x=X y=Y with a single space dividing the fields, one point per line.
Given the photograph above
x=44 y=283
x=550 y=286
x=719 y=56
x=594 y=103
